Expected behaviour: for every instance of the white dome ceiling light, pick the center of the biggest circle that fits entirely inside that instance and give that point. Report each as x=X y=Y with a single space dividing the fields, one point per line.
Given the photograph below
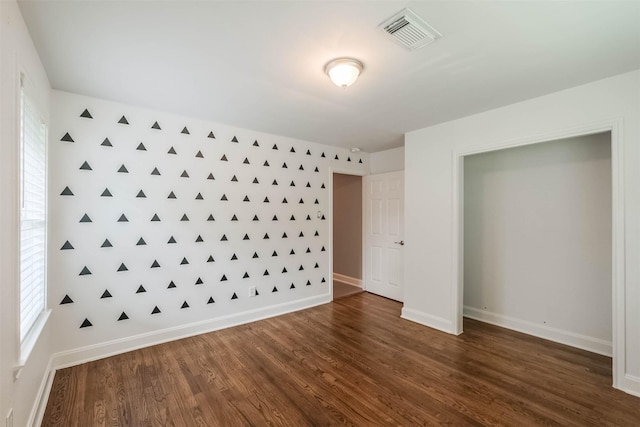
x=343 y=72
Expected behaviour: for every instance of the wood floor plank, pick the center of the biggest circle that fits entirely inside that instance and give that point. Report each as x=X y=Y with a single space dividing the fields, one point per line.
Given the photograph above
x=353 y=362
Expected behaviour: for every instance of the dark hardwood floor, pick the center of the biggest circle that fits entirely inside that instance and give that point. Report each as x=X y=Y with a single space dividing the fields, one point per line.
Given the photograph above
x=351 y=362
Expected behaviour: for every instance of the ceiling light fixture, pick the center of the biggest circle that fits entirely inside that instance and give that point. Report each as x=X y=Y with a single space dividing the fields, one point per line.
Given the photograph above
x=343 y=72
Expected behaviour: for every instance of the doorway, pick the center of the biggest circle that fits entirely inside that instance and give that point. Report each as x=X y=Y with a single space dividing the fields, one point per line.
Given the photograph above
x=347 y=235
x=537 y=240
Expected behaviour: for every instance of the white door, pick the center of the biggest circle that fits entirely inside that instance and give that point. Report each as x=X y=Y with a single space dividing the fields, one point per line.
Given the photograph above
x=383 y=201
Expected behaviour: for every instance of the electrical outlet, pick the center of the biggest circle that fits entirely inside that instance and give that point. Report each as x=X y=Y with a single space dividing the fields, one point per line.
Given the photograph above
x=9 y=420
x=252 y=291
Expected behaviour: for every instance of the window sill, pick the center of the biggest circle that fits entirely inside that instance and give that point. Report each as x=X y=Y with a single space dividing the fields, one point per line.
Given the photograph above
x=29 y=342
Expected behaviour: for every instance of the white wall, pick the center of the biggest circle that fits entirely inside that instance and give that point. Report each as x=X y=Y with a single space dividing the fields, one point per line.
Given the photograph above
x=391 y=160
x=252 y=158
x=537 y=240
x=430 y=217
x=17 y=54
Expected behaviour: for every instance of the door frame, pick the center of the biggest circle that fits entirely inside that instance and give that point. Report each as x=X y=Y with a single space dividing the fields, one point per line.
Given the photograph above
x=343 y=172
x=617 y=230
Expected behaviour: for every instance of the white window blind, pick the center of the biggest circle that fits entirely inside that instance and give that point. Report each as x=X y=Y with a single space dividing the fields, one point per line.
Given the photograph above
x=33 y=186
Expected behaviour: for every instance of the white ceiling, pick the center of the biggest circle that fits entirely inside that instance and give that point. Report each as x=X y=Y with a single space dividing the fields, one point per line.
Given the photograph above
x=259 y=64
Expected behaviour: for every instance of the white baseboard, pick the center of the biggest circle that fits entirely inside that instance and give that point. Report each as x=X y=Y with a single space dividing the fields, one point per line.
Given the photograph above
x=42 y=397
x=111 y=348
x=347 y=279
x=429 y=320
x=572 y=339
x=630 y=384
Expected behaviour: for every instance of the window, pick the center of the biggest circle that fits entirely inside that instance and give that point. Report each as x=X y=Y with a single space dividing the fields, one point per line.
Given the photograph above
x=33 y=203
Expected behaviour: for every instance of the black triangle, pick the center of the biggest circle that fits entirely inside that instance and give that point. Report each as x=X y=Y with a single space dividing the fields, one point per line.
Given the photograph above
x=171 y=240
x=86 y=323
x=245 y=161
x=123 y=120
x=123 y=169
x=234 y=179
x=184 y=217
x=141 y=147
x=284 y=270
x=246 y=275
x=308 y=283
x=308 y=250
x=156 y=126
x=284 y=166
x=172 y=151
x=274 y=253
x=155 y=310
x=301 y=202
x=246 y=237
x=199 y=281
x=316 y=233
x=266 y=163
x=210 y=301
x=322 y=155
x=274 y=182
x=224 y=238
x=323 y=218
x=292 y=286
x=292 y=252
x=141 y=290
x=106 y=294
x=234 y=296
x=85 y=271
x=199 y=239
x=255 y=143
x=141 y=242
x=66 y=300
x=234 y=139
x=106 y=143
x=224 y=158
x=323 y=249
x=85 y=218
x=210 y=259
x=184 y=261
x=171 y=285
x=66 y=246
x=284 y=235
x=106 y=244
x=274 y=289
x=141 y=194
x=266 y=200
x=257 y=292
x=293 y=150
x=123 y=267
x=123 y=218
x=106 y=193
x=85 y=166
x=172 y=195
x=301 y=268
x=199 y=154
x=210 y=176
x=184 y=174
x=155 y=171
x=67 y=138
x=348 y=159
x=322 y=186
x=293 y=184
x=275 y=147
x=255 y=180
x=308 y=153
x=322 y=281
x=301 y=234
x=234 y=217
x=184 y=305
x=66 y=192
x=316 y=202
x=301 y=168
x=316 y=265
x=185 y=131
x=316 y=169
x=155 y=218
x=275 y=218
x=223 y=278
x=293 y=218
x=308 y=218
x=336 y=157
x=255 y=255
x=211 y=218
x=255 y=218
x=211 y=135
x=199 y=197
x=285 y=200
x=155 y=264
x=86 y=114
x=246 y=199
x=224 y=198
x=123 y=316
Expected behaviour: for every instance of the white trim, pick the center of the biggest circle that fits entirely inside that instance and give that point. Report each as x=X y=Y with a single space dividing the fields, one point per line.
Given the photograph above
x=584 y=342
x=337 y=277
x=111 y=348
x=42 y=397
x=427 y=319
x=631 y=384
x=614 y=126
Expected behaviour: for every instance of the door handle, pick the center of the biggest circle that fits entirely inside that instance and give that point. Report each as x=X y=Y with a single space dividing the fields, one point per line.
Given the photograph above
x=401 y=243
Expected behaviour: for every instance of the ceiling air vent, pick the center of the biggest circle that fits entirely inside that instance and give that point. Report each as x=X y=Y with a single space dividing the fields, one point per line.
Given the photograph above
x=409 y=30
